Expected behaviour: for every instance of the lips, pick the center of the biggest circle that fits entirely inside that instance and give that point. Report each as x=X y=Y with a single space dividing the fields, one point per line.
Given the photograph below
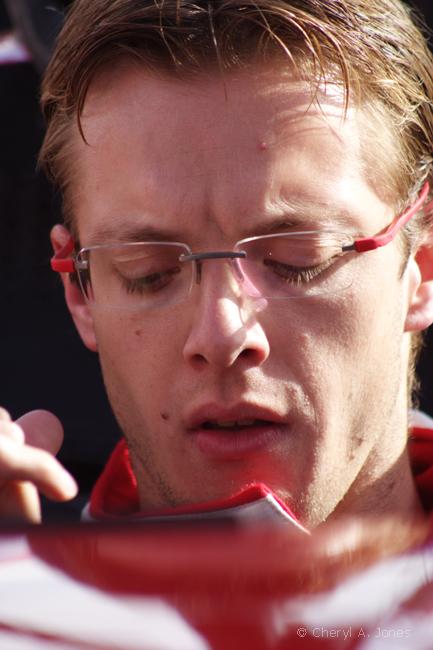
x=240 y=432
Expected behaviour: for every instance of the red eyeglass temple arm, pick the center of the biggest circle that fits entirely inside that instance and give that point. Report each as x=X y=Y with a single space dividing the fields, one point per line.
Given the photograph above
x=62 y=265
x=370 y=243
x=59 y=263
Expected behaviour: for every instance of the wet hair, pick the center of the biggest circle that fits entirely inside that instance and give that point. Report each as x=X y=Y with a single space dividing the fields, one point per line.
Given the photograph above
x=374 y=49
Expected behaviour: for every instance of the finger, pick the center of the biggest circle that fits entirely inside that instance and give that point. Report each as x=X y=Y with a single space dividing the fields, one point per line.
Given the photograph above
x=43 y=430
x=4 y=415
x=25 y=463
x=12 y=431
x=19 y=503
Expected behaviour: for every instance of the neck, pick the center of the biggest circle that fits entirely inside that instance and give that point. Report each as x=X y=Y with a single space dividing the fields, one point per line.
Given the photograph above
x=392 y=492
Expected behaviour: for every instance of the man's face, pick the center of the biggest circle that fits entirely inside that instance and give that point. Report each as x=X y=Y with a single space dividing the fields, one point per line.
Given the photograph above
x=315 y=385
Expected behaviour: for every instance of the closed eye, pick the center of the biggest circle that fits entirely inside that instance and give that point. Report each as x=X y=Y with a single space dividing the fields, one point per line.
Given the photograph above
x=149 y=283
x=296 y=275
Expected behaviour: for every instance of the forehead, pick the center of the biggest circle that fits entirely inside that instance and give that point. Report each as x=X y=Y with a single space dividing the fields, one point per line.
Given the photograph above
x=266 y=103
x=258 y=142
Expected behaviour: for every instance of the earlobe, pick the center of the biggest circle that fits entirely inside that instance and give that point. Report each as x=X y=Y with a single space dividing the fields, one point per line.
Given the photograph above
x=420 y=306
x=74 y=296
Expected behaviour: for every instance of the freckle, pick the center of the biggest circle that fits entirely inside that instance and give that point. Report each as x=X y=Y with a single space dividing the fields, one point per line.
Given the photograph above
x=165 y=416
x=137 y=332
x=263 y=146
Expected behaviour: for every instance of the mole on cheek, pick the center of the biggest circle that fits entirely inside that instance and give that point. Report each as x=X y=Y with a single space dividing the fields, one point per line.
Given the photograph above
x=137 y=332
x=165 y=416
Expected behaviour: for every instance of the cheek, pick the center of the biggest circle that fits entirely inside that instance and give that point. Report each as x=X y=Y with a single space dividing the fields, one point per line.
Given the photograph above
x=137 y=348
x=317 y=330
x=341 y=345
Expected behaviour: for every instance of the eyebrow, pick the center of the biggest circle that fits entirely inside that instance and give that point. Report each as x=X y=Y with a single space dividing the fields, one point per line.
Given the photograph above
x=300 y=218
x=305 y=218
x=295 y=223
x=125 y=233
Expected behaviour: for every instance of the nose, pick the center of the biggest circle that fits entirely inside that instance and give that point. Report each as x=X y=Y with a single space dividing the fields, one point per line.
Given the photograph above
x=224 y=326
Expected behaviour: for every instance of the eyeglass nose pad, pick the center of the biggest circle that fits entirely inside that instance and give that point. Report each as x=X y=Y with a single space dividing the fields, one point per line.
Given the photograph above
x=255 y=302
x=198 y=271
x=248 y=287
x=237 y=270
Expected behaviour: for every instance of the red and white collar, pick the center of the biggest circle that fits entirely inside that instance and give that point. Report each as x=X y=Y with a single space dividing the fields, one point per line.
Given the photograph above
x=115 y=497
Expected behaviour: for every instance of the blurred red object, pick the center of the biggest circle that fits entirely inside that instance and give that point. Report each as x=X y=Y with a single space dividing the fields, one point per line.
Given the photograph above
x=258 y=589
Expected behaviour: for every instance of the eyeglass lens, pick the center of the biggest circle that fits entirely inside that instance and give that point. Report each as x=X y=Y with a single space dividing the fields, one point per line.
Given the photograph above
x=133 y=276
x=294 y=266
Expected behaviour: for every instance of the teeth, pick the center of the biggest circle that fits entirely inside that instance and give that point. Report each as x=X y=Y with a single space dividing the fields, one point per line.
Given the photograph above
x=246 y=422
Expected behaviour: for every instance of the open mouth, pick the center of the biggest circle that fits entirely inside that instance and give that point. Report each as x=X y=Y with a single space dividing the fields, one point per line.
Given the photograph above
x=234 y=425
x=221 y=438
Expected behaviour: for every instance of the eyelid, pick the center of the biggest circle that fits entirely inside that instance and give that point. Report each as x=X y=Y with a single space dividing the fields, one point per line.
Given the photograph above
x=339 y=233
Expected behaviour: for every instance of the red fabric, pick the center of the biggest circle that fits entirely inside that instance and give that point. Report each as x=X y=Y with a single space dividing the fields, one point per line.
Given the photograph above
x=421 y=455
x=115 y=493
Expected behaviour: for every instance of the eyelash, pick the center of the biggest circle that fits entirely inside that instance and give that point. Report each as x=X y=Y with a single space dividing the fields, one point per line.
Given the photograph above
x=302 y=274
x=148 y=283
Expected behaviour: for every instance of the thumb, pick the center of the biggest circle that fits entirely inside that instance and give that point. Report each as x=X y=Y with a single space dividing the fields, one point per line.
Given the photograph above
x=43 y=430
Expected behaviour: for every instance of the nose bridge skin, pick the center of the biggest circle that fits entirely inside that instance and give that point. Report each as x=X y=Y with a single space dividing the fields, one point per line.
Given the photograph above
x=223 y=325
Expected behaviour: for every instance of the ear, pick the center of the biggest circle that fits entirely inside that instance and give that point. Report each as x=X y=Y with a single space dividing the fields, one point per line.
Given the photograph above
x=74 y=296
x=420 y=306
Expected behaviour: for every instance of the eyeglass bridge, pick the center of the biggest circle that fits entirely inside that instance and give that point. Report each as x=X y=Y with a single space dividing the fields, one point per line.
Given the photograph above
x=199 y=257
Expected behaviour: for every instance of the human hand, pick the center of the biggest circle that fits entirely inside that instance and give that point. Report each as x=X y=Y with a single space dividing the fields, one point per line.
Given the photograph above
x=27 y=465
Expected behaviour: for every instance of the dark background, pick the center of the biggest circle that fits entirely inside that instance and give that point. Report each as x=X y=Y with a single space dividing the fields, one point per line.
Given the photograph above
x=43 y=363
